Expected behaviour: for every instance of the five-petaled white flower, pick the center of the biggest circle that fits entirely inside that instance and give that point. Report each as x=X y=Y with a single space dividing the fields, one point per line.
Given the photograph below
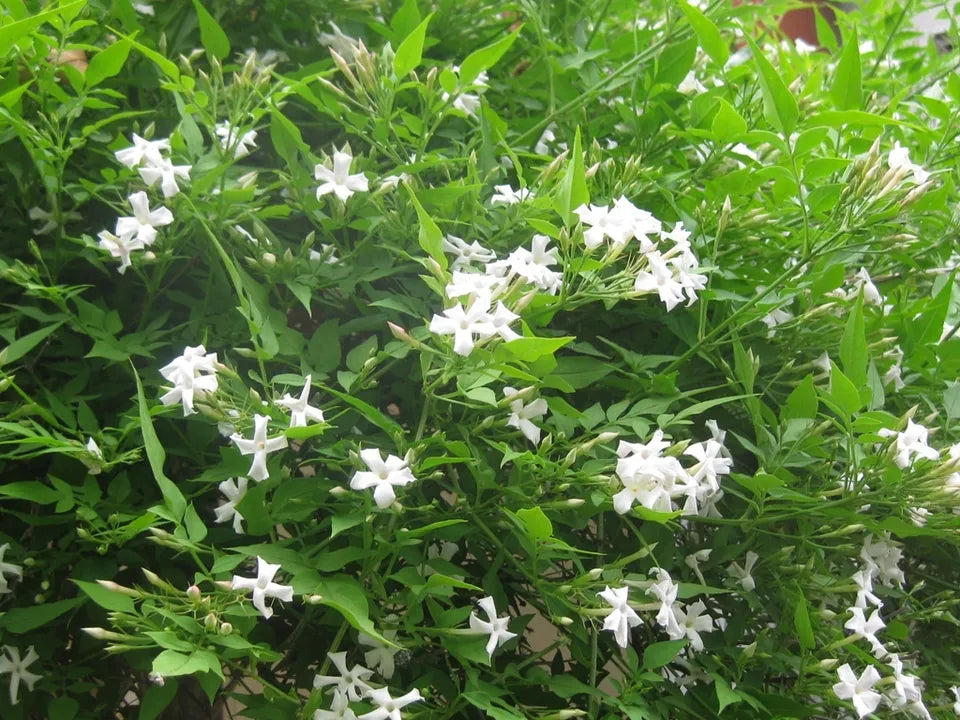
x=603 y=222
x=339 y=181
x=496 y=627
x=232 y=137
x=467 y=253
x=165 y=173
x=744 y=574
x=859 y=625
x=911 y=444
x=380 y=656
x=339 y=709
x=144 y=222
x=382 y=475
x=351 y=682
x=234 y=490
x=522 y=415
x=188 y=382
x=259 y=446
x=858 y=690
x=149 y=150
x=11 y=662
x=622 y=617
x=691 y=622
x=389 y=707
x=464 y=323
x=300 y=410
x=7 y=568
x=263 y=587
x=507 y=195
x=119 y=247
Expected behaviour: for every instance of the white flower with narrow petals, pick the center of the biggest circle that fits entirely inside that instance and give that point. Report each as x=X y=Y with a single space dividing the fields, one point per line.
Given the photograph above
x=691 y=622
x=956 y=694
x=622 y=617
x=7 y=568
x=899 y=159
x=383 y=475
x=465 y=323
x=149 y=150
x=501 y=318
x=466 y=253
x=744 y=575
x=473 y=283
x=187 y=388
x=11 y=662
x=494 y=626
x=351 y=682
x=165 y=173
x=665 y=590
x=95 y=462
x=388 y=708
x=232 y=137
x=263 y=587
x=259 y=446
x=339 y=181
x=603 y=223
x=119 y=247
x=858 y=690
x=380 y=656
x=144 y=222
x=911 y=443
x=234 y=490
x=339 y=709
x=860 y=626
x=508 y=196
x=523 y=414
x=300 y=410
x=863 y=579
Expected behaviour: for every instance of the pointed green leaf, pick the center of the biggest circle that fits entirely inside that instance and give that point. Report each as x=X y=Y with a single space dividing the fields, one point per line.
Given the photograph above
x=853 y=346
x=727 y=123
x=107 y=63
x=660 y=653
x=847 y=90
x=710 y=39
x=212 y=36
x=802 y=402
x=572 y=192
x=156 y=455
x=430 y=237
x=486 y=57
x=410 y=52
x=779 y=105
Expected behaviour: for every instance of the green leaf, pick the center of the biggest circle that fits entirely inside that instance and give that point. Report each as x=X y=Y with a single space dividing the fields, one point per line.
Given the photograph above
x=836 y=118
x=536 y=523
x=171 y=663
x=801 y=622
x=21 y=346
x=11 y=32
x=106 y=598
x=31 y=490
x=802 y=401
x=853 y=346
x=710 y=39
x=779 y=105
x=212 y=36
x=286 y=137
x=196 y=530
x=572 y=191
x=346 y=596
x=166 y=66
x=485 y=58
x=24 y=619
x=843 y=393
x=410 y=52
x=429 y=237
x=847 y=91
x=530 y=349
x=951 y=400
x=660 y=653
x=727 y=123
x=157 y=698
x=726 y=695
x=156 y=456
x=107 y=63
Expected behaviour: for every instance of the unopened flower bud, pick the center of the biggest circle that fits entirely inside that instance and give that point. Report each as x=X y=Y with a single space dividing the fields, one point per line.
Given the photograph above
x=565 y=621
x=83 y=534
x=592 y=170
x=724 y=216
x=226 y=628
x=247 y=180
x=343 y=67
x=268 y=259
x=339 y=491
x=595 y=573
x=149 y=256
x=749 y=650
x=210 y=621
x=114 y=587
x=575 y=502
x=313 y=599
x=827 y=663
x=400 y=334
x=45 y=585
x=224 y=584
x=193 y=592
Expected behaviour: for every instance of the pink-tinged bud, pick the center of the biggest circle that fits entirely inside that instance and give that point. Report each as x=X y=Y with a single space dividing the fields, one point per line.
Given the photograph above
x=193 y=592
x=402 y=335
x=114 y=587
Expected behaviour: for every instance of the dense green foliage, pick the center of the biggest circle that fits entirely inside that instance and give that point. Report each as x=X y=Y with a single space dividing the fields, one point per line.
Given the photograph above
x=694 y=235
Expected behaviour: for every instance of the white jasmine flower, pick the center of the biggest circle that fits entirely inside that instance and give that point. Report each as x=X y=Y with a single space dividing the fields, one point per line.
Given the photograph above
x=744 y=574
x=863 y=579
x=145 y=221
x=882 y=559
x=149 y=150
x=522 y=415
x=956 y=694
x=471 y=283
x=119 y=247
x=388 y=708
x=187 y=388
x=918 y=515
x=644 y=451
x=858 y=690
x=533 y=265
x=648 y=477
x=390 y=182
x=823 y=362
x=7 y=568
x=501 y=318
x=11 y=662
x=665 y=590
x=467 y=253
x=622 y=617
x=259 y=446
x=496 y=627
x=263 y=587
x=777 y=316
x=464 y=323
x=193 y=360
x=871 y=296
x=165 y=173
x=300 y=411
x=905 y=692
x=899 y=158
x=339 y=709
x=690 y=85
x=339 y=181
x=380 y=657
x=508 y=196
x=642 y=223
x=351 y=682
x=382 y=475
x=547 y=136
x=659 y=278
x=910 y=444
x=95 y=466
x=232 y=137
x=444 y=550
x=39 y=214
x=604 y=222
x=692 y=622
x=859 y=625
x=234 y=490
x=327 y=254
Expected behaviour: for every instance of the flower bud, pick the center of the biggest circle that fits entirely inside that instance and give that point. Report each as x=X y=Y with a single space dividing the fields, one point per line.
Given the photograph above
x=224 y=584
x=400 y=334
x=343 y=67
x=565 y=621
x=114 y=587
x=247 y=180
x=576 y=502
x=827 y=663
x=595 y=573
x=193 y=593
x=313 y=599
x=749 y=650
x=268 y=259
x=210 y=621
x=339 y=491
x=226 y=628
x=592 y=170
